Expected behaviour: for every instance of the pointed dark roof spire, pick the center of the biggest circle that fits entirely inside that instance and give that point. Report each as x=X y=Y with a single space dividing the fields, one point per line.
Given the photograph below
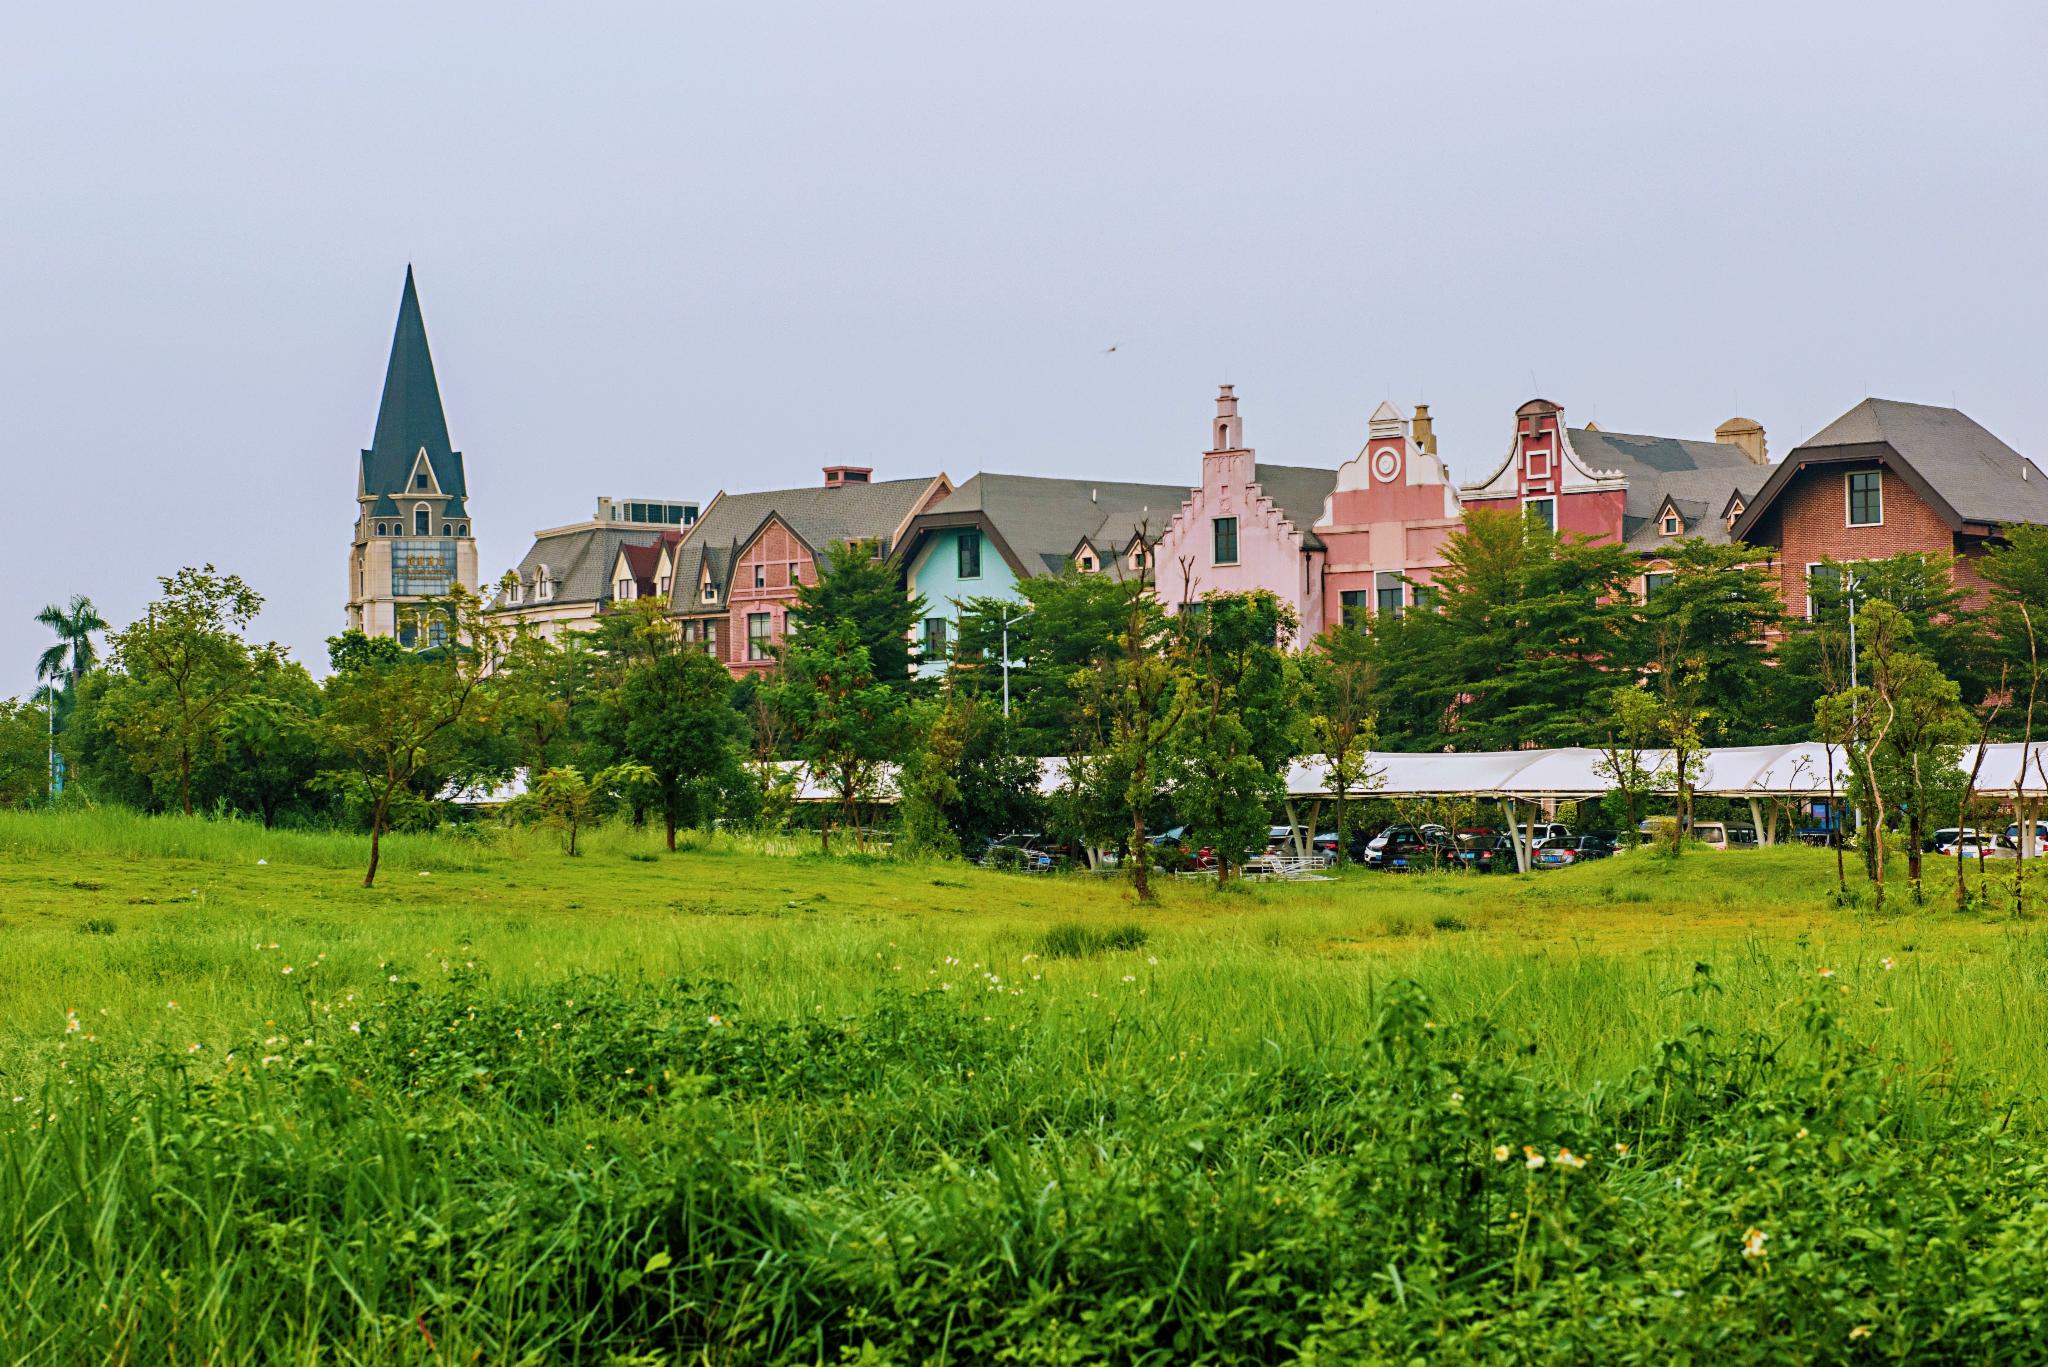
x=409 y=416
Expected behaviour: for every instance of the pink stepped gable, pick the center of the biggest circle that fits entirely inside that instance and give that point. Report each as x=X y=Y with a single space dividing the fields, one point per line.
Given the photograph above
x=1249 y=526
x=1386 y=520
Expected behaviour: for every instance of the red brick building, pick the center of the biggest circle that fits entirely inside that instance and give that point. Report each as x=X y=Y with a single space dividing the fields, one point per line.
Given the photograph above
x=1646 y=492
x=737 y=569
x=1887 y=478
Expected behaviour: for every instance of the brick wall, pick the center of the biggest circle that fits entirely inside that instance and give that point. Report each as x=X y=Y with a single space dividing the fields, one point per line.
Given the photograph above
x=1813 y=525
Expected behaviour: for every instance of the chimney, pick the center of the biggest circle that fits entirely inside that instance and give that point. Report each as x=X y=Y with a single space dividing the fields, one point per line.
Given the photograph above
x=1422 y=429
x=838 y=475
x=1748 y=434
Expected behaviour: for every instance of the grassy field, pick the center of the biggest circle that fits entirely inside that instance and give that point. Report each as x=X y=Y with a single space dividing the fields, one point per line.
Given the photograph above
x=746 y=1103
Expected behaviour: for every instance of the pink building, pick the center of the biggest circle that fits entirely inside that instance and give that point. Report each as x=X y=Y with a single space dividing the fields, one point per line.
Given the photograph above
x=1249 y=526
x=1386 y=521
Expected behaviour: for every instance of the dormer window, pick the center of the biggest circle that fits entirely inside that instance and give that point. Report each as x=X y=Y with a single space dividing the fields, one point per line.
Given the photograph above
x=1087 y=561
x=422 y=521
x=1672 y=526
x=419 y=479
x=625 y=588
x=1734 y=513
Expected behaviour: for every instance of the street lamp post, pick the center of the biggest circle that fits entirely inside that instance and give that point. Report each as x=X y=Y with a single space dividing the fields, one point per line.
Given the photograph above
x=1007 y=619
x=1849 y=584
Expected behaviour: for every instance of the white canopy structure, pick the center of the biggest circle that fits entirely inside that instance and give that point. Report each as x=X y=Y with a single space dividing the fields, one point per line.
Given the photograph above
x=1805 y=771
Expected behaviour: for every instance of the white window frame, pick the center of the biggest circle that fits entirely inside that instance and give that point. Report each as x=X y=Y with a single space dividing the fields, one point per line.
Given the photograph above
x=1672 y=524
x=1849 y=502
x=1549 y=501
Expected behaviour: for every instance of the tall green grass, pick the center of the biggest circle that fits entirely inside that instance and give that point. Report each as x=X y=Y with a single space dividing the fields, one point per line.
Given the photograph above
x=724 y=1106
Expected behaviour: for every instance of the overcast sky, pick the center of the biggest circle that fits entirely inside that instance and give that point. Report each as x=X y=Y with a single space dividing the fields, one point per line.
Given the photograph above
x=664 y=250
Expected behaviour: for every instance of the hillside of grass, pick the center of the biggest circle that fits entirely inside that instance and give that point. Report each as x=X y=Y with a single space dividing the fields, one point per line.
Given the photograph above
x=748 y=1103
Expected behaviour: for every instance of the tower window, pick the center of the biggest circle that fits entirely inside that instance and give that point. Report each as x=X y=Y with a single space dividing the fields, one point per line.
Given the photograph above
x=422 y=522
x=1224 y=530
x=447 y=529
x=419 y=479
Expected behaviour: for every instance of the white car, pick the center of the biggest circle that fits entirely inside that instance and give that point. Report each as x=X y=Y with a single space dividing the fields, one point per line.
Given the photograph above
x=2011 y=839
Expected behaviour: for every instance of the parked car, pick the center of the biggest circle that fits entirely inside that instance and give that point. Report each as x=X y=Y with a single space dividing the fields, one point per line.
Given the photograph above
x=1029 y=851
x=1485 y=850
x=1376 y=848
x=1430 y=848
x=1712 y=834
x=1973 y=843
x=2040 y=846
x=1538 y=832
x=1565 y=850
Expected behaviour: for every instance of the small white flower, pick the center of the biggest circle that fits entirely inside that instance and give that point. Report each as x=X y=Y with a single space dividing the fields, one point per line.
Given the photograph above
x=1887 y=965
x=355 y=1027
x=1531 y=1158
x=1501 y=1153
x=1753 y=1241
x=287 y=970
x=193 y=1047
x=261 y=862
x=1827 y=972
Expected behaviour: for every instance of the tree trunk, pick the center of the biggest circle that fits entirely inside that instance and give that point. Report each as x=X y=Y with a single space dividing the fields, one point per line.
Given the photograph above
x=1141 y=881
x=668 y=819
x=185 y=778
x=377 y=833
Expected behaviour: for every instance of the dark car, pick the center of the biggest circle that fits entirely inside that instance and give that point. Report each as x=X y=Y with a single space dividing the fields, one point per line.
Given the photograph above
x=1377 y=846
x=1485 y=850
x=1565 y=850
x=1420 y=850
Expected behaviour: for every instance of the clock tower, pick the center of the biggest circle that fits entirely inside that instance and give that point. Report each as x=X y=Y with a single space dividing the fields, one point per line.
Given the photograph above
x=413 y=538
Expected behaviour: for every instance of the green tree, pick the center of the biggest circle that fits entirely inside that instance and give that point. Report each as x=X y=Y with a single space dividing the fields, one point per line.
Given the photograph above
x=270 y=738
x=1528 y=628
x=681 y=726
x=567 y=801
x=185 y=662
x=1066 y=624
x=1716 y=612
x=75 y=654
x=1340 y=680
x=388 y=720
x=1241 y=719
x=858 y=591
x=841 y=721
x=1130 y=710
x=23 y=735
x=1626 y=751
x=1925 y=726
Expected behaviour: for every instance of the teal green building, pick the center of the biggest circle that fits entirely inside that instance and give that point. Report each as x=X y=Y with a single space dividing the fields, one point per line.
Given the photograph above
x=997 y=530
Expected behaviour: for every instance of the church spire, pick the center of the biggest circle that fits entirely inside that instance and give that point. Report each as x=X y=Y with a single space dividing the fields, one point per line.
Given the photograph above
x=409 y=416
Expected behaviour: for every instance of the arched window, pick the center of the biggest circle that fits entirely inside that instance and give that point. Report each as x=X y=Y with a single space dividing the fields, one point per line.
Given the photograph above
x=447 y=529
x=422 y=521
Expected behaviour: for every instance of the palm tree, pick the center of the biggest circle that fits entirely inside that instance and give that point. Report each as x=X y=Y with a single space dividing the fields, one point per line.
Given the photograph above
x=74 y=655
x=71 y=657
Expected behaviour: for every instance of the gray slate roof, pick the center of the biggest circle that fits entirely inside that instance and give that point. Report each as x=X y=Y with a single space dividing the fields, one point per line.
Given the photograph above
x=1043 y=519
x=1977 y=475
x=580 y=561
x=1300 y=492
x=820 y=515
x=1697 y=475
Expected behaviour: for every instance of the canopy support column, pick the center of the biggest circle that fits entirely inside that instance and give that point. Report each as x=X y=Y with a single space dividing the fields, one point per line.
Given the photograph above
x=1756 y=822
x=1507 y=804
